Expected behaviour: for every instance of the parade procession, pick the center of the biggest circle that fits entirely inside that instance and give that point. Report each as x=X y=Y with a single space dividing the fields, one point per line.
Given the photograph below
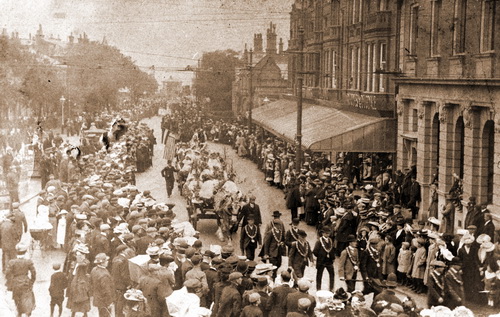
x=258 y=158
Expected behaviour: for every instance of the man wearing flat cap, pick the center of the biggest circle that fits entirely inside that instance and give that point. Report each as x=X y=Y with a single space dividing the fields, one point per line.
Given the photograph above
x=230 y=300
x=293 y=298
x=121 y=276
x=102 y=285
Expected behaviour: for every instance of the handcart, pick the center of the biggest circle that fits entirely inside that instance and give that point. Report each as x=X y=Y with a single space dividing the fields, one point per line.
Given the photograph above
x=40 y=238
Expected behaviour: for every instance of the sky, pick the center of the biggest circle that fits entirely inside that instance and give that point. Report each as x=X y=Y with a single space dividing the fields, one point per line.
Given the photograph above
x=169 y=34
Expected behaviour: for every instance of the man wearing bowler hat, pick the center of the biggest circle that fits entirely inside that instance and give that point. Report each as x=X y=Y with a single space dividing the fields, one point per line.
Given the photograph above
x=349 y=263
x=300 y=255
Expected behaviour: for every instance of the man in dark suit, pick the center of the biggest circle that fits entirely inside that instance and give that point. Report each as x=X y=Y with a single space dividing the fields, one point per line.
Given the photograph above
x=399 y=236
x=293 y=201
x=250 y=209
x=101 y=241
x=121 y=276
x=292 y=234
x=488 y=227
x=325 y=256
x=168 y=174
x=347 y=226
x=278 y=296
x=230 y=299
x=274 y=248
x=250 y=238
x=371 y=264
x=102 y=285
x=415 y=197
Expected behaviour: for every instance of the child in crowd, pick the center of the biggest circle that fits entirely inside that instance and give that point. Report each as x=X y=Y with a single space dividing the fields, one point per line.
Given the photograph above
x=58 y=283
x=404 y=263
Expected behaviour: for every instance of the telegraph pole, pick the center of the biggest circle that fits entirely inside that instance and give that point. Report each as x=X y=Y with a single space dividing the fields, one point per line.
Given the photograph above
x=250 y=91
x=300 y=79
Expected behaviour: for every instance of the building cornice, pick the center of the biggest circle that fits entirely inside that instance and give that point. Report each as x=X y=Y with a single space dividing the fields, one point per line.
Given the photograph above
x=448 y=81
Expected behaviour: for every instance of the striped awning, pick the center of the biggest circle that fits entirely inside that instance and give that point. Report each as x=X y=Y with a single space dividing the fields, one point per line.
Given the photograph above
x=328 y=129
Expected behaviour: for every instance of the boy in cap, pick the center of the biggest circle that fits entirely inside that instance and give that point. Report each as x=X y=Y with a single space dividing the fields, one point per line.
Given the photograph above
x=58 y=283
x=253 y=309
x=230 y=299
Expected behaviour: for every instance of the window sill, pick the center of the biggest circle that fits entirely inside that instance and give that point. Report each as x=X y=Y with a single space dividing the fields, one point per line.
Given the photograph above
x=435 y=58
x=488 y=54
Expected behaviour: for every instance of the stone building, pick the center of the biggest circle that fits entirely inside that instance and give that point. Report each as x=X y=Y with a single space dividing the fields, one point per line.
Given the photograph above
x=269 y=73
x=448 y=100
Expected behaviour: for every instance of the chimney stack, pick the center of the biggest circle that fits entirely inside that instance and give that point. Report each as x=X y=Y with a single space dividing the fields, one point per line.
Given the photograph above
x=280 y=50
x=271 y=39
x=257 y=43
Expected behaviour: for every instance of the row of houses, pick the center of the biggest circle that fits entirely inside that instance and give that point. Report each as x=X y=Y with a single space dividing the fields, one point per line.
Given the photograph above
x=416 y=78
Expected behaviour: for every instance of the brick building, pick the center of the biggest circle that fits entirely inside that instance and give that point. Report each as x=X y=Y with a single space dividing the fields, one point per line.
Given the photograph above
x=269 y=73
x=348 y=55
x=448 y=101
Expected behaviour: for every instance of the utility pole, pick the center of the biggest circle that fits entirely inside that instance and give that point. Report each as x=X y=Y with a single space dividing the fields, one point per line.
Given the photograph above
x=300 y=79
x=250 y=91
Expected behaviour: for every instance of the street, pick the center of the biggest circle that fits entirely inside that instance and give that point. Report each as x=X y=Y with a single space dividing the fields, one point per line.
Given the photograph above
x=249 y=179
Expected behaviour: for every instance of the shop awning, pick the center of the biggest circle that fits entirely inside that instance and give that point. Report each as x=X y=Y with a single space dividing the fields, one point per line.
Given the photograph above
x=328 y=129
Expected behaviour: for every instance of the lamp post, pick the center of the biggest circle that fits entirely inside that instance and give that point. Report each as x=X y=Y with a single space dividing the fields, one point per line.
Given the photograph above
x=62 y=100
x=300 y=80
x=250 y=91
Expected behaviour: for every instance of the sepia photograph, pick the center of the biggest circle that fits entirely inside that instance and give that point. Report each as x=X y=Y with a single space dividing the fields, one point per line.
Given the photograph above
x=250 y=158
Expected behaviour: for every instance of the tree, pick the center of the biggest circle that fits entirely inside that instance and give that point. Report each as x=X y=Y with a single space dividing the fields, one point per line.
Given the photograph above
x=215 y=78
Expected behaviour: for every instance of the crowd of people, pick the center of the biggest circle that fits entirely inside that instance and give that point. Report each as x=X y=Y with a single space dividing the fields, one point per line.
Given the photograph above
x=370 y=228
x=128 y=255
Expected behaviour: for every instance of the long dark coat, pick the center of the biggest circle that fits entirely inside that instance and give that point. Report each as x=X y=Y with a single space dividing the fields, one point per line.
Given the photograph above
x=470 y=273
x=103 y=289
x=278 y=300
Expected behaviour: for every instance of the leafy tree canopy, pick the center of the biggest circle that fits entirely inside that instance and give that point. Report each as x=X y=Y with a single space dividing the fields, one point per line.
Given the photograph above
x=215 y=78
